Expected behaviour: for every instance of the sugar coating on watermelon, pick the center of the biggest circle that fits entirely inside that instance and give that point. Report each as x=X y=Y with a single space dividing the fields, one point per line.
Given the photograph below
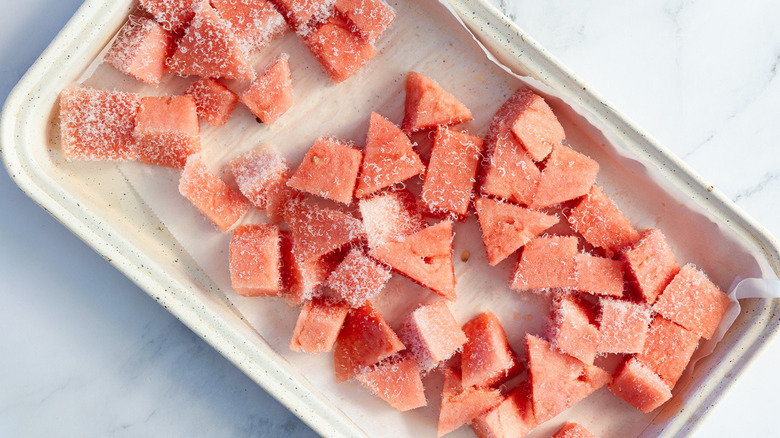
x=639 y=386
x=173 y=15
x=390 y=217
x=254 y=22
x=431 y=333
x=425 y=257
x=318 y=325
x=304 y=15
x=650 y=265
x=397 y=381
x=257 y=171
x=547 y=262
x=304 y=277
x=599 y=275
x=140 y=50
x=449 y=181
x=487 y=358
x=255 y=260
x=567 y=174
x=509 y=173
x=167 y=130
x=271 y=94
x=601 y=223
x=623 y=326
x=209 y=49
x=558 y=380
x=572 y=329
x=389 y=157
x=573 y=430
x=98 y=124
x=214 y=101
x=329 y=170
x=369 y=18
x=358 y=278
x=533 y=123
x=365 y=339
x=427 y=105
x=340 y=51
x=506 y=227
x=221 y=204
x=693 y=301
x=514 y=417
x=460 y=404
x=319 y=231
x=668 y=349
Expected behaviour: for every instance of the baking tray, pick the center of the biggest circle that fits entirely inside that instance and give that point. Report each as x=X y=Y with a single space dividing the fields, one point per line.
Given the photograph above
x=100 y=206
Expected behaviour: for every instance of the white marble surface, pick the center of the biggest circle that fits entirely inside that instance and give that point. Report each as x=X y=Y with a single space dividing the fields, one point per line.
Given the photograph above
x=86 y=353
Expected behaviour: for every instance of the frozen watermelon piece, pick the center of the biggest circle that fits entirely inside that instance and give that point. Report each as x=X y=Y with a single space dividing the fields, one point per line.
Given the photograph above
x=397 y=381
x=572 y=328
x=431 y=333
x=601 y=223
x=558 y=380
x=509 y=173
x=533 y=123
x=573 y=430
x=364 y=340
x=223 y=205
x=304 y=15
x=650 y=265
x=487 y=358
x=599 y=275
x=214 y=101
x=318 y=325
x=255 y=260
x=506 y=227
x=257 y=172
x=167 y=130
x=329 y=170
x=319 y=231
x=389 y=157
x=547 y=262
x=460 y=405
x=623 y=326
x=639 y=386
x=425 y=257
x=255 y=23
x=209 y=49
x=449 y=181
x=173 y=15
x=390 y=217
x=340 y=51
x=369 y=17
x=98 y=124
x=358 y=278
x=513 y=418
x=668 y=349
x=428 y=105
x=693 y=301
x=271 y=94
x=567 y=174
x=140 y=50
x=304 y=277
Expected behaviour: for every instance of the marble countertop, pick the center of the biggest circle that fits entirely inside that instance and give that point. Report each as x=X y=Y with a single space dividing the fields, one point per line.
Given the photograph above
x=86 y=353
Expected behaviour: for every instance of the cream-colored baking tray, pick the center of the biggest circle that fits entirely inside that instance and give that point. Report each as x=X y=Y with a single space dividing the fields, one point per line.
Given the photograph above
x=98 y=202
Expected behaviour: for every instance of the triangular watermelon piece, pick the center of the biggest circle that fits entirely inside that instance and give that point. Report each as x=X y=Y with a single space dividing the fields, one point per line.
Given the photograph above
x=210 y=49
x=173 y=15
x=390 y=216
x=459 y=405
x=389 y=157
x=319 y=231
x=425 y=257
x=329 y=170
x=428 y=105
x=558 y=380
x=506 y=227
x=567 y=174
x=397 y=381
x=271 y=94
x=510 y=173
x=514 y=417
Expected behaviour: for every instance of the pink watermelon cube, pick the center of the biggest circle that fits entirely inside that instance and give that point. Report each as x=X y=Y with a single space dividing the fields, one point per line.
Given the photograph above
x=271 y=94
x=223 y=205
x=140 y=50
x=623 y=326
x=173 y=15
x=167 y=130
x=358 y=278
x=427 y=105
x=98 y=124
x=460 y=404
x=390 y=217
x=547 y=262
x=304 y=15
x=261 y=175
x=397 y=381
x=639 y=386
x=320 y=231
x=214 y=101
x=650 y=265
x=431 y=333
x=340 y=51
x=573 y=430
x=256 y=260
x=369 y=17
x=514 y=417
x=601 y=223
x=318 y=325
x=599 y=275
x=487 y=358
x=510 y=173
x=567 y=174
x=329 y=170
x=304 y=277
x=255 y=23
x=533 y=123
x=572 y=328
x=668 y=349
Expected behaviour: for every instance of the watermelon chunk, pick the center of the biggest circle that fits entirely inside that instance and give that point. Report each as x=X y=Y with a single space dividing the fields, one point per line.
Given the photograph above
x=573 y=430
x=389 y=157
x=431 y=333
x=599 y=275
x=364 y=340
x=639 y=386
x=513 y=418
x=271 y=94
x=623 y=326
x=140 y=50
x=460 y=405
x=254 y=22
x=427 y=105
x=223 y=205
x=397 y=381
x=547 y=262
x=255 y=260
x=261 y=175
x=572 y=328
x=506 y=227
x=167 y=130
x=449 y=182
x=319 y=231
x=318 y=325
x=510 y=173
x=304 y=277
x=693 y=301
x=390 y=217
x=650 y=265
x=358 y=278
x=98 y=124
x=425 y=257
x=173 y=15
x=668 y=349
x=487 y=358
x=340 y=51
x=533 y=123
x=567 y=174
x=214 y=101
x=558 y=380
x=601 y=223
x=368 y=17
x=329 y=170
x=304 y=15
